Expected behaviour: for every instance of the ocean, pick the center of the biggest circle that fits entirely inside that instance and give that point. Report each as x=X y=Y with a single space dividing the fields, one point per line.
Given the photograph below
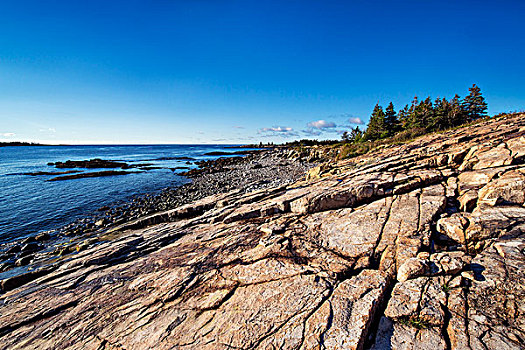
x=32 y=204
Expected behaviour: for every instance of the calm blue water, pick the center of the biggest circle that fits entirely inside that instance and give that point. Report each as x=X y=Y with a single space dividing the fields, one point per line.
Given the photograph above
x=30 y=204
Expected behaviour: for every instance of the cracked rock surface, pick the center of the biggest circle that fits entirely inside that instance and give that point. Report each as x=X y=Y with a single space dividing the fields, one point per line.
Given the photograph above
x=414 y=246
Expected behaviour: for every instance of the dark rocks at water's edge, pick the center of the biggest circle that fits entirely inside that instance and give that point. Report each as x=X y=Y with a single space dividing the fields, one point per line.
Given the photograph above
x=170 y=158
x=93 y=174
x=46 y=173
x=413 y=246
x=98 y=163
x=244 y=174
x=210 y=166
x=90 y=164
x=222 y=153
x=272 y=158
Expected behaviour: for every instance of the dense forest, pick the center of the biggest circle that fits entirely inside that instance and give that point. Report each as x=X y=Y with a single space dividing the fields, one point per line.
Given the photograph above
x=420 y=117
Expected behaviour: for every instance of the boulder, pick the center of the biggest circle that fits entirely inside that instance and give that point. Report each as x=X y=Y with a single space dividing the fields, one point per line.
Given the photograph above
x=453 y=227
x=508 y=189
x=413 y=267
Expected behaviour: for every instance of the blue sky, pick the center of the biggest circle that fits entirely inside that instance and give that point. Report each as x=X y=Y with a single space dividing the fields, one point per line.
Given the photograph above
x=205 y=71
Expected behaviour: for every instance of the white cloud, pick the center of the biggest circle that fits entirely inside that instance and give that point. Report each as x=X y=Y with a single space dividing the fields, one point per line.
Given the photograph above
x=283 y=129
x=318 y=127
x=48 y=130
x=321 y=124
x=8 y=134
x=238 y=127
x=355 y=120
x=279 y=131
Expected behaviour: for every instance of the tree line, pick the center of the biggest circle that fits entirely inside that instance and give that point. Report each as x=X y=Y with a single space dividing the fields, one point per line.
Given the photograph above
x=425 y=116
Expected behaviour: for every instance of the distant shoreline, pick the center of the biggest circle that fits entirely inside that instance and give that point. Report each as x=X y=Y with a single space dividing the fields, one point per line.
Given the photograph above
x=18 y=143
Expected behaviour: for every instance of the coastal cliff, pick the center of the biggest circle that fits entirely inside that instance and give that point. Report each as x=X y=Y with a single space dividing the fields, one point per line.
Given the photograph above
x=412 y=246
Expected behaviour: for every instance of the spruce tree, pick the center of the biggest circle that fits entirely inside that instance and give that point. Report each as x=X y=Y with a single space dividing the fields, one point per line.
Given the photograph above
x=457 y=115
x=423 y=114
x=355 y=135
x=376 y=126
x=441 y=119
x=411 y=120
x=474 y=104
x=391 y=121
x=404 y=117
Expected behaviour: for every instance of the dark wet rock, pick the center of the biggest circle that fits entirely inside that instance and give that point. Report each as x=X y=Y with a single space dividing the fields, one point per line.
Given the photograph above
x=221 y=153
x=6 y=265
x=93 y=174
x=96 y=163
x=148 y=167
x=19 y=280
x=171 y=158
x=42 y=173
x=24 y=260
x=30 y=247
x=28 y=240
x=6 y=256
x=14 y=249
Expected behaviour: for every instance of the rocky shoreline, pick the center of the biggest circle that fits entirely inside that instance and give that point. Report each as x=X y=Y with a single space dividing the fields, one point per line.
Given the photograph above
x=412 y=246
x=244 y=174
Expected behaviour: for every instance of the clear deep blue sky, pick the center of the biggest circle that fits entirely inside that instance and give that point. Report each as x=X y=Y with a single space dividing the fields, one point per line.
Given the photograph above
x=200 y=71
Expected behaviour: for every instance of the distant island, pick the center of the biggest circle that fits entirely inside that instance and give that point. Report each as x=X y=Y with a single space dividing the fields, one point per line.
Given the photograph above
x=18 y=143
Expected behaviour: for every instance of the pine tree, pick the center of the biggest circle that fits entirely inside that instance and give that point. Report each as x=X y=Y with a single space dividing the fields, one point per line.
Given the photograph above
x=404 y=117
x=411 y=119
x=376 y=126
x=441 y=119
x=457 y=115
x=355 y=135
x=423 y=114
x=391 y=121
x=474 y=104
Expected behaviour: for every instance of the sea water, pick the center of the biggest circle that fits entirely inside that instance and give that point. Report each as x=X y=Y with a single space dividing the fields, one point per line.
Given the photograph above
x=32 y=204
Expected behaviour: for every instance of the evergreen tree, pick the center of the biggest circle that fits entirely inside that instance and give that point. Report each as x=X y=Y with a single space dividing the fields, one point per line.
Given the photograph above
x=411 y=119
x=457 y=115
x=474 y=104
x=356 y=135
x=441 y=119
x=391 y=121
x=404 y=117
x=439 y=114
x=423 y=114
x=376 y=126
